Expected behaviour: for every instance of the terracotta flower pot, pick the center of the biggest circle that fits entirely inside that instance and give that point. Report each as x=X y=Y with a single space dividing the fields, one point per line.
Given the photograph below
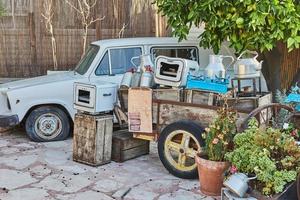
x=211 y=176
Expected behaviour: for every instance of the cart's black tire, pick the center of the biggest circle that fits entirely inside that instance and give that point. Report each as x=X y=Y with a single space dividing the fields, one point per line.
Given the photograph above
x=47 y=116
x=189 y=126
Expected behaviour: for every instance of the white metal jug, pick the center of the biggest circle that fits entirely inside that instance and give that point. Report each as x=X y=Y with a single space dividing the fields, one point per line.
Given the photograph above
x=145 y=60
x=247 y=67
x=216 y=67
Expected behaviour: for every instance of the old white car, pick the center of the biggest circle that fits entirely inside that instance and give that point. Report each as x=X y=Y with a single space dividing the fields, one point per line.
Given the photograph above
x=45 y=104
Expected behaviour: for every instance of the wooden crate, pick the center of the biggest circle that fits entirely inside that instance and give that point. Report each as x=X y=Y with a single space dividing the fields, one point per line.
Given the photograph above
x=200 y=97
x=92 y=139
x=248 y=103
x=125 y=147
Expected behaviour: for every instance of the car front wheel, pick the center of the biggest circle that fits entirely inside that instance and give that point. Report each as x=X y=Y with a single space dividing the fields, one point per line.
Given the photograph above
x=47 y=123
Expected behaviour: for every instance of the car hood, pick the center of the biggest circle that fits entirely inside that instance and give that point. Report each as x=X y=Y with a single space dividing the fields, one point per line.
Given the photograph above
x=41 y=80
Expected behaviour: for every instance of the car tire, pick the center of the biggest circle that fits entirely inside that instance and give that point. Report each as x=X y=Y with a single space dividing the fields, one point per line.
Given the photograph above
x=47 y=123
x=193 y=130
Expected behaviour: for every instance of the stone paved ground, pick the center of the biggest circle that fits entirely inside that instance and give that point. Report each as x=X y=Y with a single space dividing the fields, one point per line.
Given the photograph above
x=36 y=171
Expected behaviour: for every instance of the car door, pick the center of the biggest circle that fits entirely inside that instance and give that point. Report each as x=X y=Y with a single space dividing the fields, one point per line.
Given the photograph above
x=115 y=62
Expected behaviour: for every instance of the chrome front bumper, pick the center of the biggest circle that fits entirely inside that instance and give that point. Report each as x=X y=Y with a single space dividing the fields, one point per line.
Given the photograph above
x=7 y=121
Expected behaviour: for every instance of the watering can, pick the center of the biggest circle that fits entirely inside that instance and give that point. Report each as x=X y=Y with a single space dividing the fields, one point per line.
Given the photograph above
x=216 y=67
x=247 y=67
x=238 y=183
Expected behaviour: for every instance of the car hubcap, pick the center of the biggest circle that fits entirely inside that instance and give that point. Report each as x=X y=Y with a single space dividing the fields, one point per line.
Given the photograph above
x=181 y=147
x=48 y=126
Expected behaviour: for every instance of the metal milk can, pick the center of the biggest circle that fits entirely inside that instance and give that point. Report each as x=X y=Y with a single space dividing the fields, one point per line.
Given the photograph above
x=127 y=78
x=145 y=60
x=216 y=67
x=247 y=67
x=147 y=77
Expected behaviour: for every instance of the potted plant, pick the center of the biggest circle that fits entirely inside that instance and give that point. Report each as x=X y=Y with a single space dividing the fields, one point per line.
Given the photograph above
x=271 y=154
x=212 y=164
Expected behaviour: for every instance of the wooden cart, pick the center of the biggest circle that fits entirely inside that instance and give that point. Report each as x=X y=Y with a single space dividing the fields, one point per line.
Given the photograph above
x=180 y=116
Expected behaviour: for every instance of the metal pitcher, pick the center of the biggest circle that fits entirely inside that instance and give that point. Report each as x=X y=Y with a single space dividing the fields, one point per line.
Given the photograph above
x=247 y=67
x=238 y=183
x=216 y=67
x=145 y=60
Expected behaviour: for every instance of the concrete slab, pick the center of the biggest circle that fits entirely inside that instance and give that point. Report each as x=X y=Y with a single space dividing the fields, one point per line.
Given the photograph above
x=64 y=183
x=25 y=194
x=107 y=185
x=19 y=161
x=88 y=195
x=181 y=195
x=12 y=179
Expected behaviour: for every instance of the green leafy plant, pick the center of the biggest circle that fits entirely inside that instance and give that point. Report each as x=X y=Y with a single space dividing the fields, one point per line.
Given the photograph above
x=270 y=154
x=219 y=135
x=247 y=24
x=2 y=10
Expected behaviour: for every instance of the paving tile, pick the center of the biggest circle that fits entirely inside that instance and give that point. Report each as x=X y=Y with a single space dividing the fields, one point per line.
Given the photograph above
x=9 y=150
x=40 y=171
x=11 y=179
x=181 y=195
x=3 y=143
x=56 y=157
x=19 y=161
x=88 y=195
x=137 y=194
x=55 y=145
x=107 y=185
x=25 y=145
x=73 y=168
x=64 y=183
x=25 y=194
x=189 y=184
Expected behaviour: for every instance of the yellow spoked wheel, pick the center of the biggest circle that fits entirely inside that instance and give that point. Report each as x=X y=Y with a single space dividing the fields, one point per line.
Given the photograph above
x=181 y=147
x=178 y=145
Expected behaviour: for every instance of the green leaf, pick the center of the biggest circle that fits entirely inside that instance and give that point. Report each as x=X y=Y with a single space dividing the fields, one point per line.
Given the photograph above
x=290 y=42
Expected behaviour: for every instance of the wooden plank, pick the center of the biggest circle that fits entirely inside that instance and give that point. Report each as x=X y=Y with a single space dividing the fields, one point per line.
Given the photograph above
x=140 y=110
x=172 y=113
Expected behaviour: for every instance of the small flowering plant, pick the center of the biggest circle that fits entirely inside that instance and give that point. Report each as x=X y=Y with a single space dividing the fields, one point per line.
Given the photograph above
x=289 y=128
x=219 y=135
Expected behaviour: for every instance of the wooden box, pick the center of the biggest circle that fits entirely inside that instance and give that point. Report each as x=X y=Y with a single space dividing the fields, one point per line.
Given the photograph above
x=125 y=147
x=92 y=139
x=200 y=97
x=248 y=104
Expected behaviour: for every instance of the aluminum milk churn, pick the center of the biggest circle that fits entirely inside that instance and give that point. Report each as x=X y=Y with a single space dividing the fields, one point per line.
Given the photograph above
x=147 y=77
x=216 y=67
x=127 y=78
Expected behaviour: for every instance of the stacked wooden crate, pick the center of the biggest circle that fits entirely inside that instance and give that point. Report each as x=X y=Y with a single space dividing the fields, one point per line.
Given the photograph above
x=92 y=141
x=125 y=147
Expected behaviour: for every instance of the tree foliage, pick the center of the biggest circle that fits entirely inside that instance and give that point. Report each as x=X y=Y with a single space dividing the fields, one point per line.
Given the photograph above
x=2 y=10
x=246 y=24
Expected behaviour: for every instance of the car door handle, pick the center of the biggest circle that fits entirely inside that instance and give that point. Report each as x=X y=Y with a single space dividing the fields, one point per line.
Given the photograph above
x=107 y=95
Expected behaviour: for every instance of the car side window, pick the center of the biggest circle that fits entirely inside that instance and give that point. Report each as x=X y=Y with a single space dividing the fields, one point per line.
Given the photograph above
x=103 y=67
x=190 y=53
x=121 y=59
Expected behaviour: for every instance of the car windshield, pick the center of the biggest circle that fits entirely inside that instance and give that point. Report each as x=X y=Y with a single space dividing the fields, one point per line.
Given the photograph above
x=85 y=63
